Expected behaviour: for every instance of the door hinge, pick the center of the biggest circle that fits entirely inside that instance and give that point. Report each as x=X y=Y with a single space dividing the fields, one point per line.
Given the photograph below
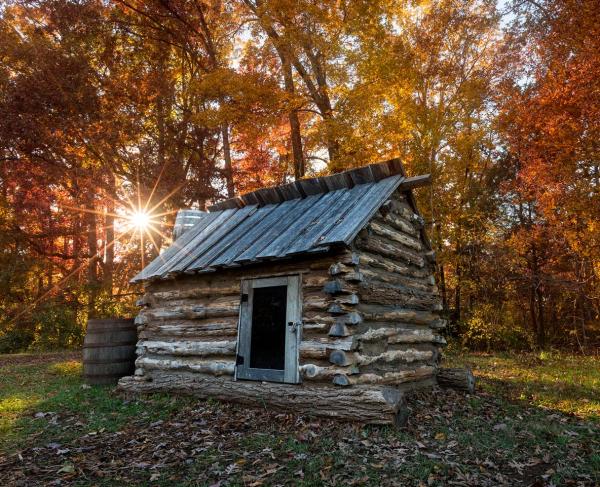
x=239 y=360
x=244 y=298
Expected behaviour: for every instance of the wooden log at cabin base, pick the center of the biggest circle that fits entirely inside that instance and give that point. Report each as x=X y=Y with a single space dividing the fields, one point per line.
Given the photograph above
x=394 y=378
x=371 y=405
x=170 y=364
x=315 y=372
x=457 y=378
x=188 y=347
x=212 y=328
x=321 y=348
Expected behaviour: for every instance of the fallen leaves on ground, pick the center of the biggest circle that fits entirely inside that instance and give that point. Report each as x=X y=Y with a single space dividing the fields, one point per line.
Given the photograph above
x=451 y=439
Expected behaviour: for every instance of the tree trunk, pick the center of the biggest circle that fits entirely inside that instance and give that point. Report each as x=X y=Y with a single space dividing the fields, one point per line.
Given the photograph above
x=457 y=296
x=532 y=310
x=109 y=246
x=92 y=244
x=295 y=135
x=227 y=159
x=541 y=331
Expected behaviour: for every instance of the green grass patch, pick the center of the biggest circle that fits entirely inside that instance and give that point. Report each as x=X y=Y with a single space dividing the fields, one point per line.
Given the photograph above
x=561 y=382
x=35 y=397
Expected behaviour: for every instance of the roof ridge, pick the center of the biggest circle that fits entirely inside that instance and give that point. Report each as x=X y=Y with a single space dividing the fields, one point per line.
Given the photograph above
x=317 y=185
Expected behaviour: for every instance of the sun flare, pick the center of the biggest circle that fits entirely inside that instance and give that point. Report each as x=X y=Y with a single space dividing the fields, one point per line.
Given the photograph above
x=140 y=220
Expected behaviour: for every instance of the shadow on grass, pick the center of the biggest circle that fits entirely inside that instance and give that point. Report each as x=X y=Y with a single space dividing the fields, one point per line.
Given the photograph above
x=50 y=402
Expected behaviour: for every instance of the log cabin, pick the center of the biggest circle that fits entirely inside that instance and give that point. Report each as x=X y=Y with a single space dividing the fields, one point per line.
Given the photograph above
x=316 y=297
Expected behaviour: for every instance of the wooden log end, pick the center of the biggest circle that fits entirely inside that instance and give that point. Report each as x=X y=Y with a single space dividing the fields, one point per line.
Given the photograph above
x=332 y=287
x=397 y=399
x=341 y=380
x=339 y=357
x=461 y=379
x=336 y=309
x=339 y=330
x=354 y=277
x=352 y=318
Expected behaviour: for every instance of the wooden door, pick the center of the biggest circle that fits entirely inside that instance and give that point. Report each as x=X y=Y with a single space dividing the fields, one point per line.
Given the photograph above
x=269 y=329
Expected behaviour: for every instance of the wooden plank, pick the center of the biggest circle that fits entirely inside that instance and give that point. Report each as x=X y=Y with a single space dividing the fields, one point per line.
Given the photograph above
x=338 y=181
x=380 y=171
x=213 y=235
x=355 y=219
x=396 y=166
x=269 y=282
x=232 y=239
x=293 y=333
x=279 y=246
x=250 y=199
x=310 y=186
x=269 y=195
x=289 y=191
x=263 y=375
x=245 y=329
x=415 y=182
x=172 y=250
x=254 y=233
x=361 y=175
x=226 y=204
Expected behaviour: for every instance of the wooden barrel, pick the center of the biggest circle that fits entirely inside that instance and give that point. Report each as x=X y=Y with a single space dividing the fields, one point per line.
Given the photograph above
x=109 y=350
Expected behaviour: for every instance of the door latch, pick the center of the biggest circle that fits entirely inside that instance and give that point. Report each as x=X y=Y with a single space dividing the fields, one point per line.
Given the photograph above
x=295 y=326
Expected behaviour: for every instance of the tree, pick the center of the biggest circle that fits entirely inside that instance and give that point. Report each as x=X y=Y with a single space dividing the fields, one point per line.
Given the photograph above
x=551 y=120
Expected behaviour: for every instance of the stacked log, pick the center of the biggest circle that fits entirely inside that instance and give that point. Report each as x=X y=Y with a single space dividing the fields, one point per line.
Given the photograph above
x=399 y=338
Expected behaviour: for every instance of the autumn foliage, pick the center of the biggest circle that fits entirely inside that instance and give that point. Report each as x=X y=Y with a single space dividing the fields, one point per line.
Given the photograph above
x=112 y=106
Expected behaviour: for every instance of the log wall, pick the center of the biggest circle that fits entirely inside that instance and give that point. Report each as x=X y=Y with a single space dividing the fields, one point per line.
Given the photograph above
x=394 y=317
x=370 y=316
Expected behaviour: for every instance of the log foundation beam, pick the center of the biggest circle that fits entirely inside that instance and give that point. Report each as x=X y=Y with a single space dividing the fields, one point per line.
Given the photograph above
x=369 y=405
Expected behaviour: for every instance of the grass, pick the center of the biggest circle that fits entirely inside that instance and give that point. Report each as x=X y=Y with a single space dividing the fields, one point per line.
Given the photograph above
x=33 y=394
x=535 y=417
x=551 y=380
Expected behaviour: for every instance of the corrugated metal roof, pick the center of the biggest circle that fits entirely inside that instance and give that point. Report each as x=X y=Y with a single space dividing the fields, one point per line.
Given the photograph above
x=309 y=222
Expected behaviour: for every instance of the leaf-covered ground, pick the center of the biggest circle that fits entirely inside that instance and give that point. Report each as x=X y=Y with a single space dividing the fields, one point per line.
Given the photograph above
x=54 y=430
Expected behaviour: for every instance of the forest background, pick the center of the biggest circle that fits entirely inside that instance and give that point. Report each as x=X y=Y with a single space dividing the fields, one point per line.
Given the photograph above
x=110 y=109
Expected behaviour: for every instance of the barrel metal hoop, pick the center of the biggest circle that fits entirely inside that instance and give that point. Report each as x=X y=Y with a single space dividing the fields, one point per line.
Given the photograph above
x=105 y=376
x=111 y=328
x=107 y=362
